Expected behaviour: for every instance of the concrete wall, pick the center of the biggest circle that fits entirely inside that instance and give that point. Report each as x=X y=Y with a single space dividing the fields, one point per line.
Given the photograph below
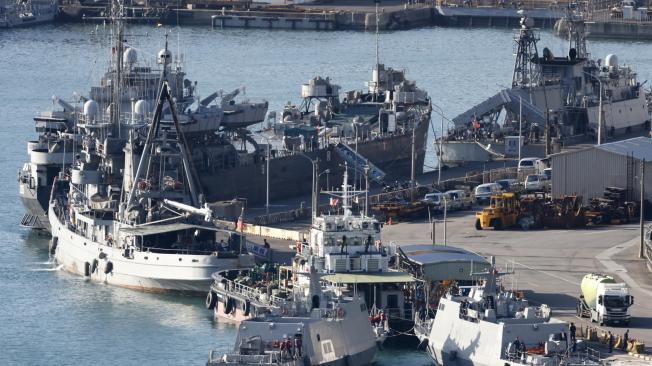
x=629 y=30
x=587 y=172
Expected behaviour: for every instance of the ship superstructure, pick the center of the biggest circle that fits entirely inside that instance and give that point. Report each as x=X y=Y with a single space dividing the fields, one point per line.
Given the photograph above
x=346 y=251
x=308 y=323
x=487 y=325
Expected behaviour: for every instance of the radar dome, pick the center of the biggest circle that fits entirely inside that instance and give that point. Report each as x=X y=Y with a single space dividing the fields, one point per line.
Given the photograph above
x=141 y=107
x=129 y=56
x=90 y=109
x=611 y=60
x=527 y=22
x=164 y=56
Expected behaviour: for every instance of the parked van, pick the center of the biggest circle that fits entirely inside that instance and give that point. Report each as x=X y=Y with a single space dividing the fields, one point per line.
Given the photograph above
x=527 y=165
x=434 y=201
x=459 y=199
x=483 y=192
x=537 y=183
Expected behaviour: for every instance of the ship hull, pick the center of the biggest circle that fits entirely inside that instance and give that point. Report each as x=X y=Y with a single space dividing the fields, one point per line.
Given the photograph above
x=289 y=174
x=149 y=272
x=455 y=153
x=32 y=199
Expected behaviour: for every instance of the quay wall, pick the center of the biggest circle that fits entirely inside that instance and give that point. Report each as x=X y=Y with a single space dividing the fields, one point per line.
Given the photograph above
x=334 y=18
x=620 y=29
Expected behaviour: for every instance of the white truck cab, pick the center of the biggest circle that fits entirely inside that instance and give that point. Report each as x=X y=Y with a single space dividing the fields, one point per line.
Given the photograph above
x=604 y=301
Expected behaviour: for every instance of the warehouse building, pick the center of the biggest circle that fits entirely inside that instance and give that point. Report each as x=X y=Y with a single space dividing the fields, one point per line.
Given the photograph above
x=587 y=172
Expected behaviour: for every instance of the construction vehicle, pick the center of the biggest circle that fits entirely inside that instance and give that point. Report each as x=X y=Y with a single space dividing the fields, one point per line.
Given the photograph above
x=503 y=211
x=603 y=300
x=611 y=208
x=528 y=211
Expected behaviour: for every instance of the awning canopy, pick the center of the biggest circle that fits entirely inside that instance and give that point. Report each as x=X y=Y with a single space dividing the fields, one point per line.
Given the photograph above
x=380 y=277
x=164 y=228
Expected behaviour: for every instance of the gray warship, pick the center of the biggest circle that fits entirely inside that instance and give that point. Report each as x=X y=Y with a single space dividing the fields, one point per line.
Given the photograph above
x=311 y=325
x=385 y=126
x=22 y=13
x=553 y=101
x=487 y=325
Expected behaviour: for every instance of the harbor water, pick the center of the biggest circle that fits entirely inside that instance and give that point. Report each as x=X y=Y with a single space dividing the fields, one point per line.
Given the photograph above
x=48 y=317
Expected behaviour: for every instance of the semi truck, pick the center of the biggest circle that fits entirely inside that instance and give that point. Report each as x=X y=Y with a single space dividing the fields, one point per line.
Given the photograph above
x=603 y=300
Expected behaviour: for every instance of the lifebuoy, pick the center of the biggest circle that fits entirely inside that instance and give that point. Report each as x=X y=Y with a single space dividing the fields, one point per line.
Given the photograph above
x=108 y=268
x=340 y=312
x=211 y=300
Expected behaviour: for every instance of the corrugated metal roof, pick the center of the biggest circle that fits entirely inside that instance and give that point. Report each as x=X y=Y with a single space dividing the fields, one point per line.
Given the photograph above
x=426 y=254
x=365 y=277
x=639 y=147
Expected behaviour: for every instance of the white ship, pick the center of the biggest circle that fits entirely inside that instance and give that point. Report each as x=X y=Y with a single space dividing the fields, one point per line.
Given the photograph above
x=124 y=214
x=307 y=323
x=346 y=249
x=484 y=326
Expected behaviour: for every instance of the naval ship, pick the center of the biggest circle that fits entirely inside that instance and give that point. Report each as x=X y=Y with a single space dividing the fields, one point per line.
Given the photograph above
x=125 y=214
x=21 y=13
x=126 y=94
x=486 y=325
x=385 y=127
x=347 y=251
x=553 y=101
x=307 y=324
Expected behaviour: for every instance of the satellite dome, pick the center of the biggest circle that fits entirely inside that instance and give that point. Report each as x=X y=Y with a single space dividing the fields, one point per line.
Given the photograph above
x=141 y=107
x=90 y=110
x=164 y=56
x=611 y=60
x=129 y=56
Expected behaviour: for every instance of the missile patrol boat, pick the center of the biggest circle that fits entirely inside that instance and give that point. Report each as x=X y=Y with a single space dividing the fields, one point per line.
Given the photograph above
x=307 y=323
x=483 y=325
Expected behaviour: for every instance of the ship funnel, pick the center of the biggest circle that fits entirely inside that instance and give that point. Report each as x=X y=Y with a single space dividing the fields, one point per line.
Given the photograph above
x=90 y=110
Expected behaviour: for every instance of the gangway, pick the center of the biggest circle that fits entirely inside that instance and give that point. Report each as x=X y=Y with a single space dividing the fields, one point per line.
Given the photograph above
x=509 y=99
x=358 y=162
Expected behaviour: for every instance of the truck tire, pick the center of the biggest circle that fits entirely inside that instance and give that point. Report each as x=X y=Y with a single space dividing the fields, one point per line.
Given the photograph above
x=498 y=224
x=478 y=226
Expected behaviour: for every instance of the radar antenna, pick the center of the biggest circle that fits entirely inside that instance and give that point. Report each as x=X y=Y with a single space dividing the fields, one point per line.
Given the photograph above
x=526 y=68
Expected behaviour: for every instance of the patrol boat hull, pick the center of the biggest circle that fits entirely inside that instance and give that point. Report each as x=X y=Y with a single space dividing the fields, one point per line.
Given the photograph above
x=143 y=271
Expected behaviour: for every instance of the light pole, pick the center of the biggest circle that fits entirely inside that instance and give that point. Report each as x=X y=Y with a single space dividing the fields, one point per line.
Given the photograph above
x=315 y=164
x=600 y=107
x=327 y=172
x=441 y=142
x=267 y=174
x=443 y=196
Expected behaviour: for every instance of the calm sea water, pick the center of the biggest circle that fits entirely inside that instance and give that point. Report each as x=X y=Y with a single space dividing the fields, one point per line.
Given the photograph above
x=50 y=317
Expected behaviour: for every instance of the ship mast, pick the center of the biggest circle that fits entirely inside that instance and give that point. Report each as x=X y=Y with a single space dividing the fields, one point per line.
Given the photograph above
x=526 y=70
x=118 y=51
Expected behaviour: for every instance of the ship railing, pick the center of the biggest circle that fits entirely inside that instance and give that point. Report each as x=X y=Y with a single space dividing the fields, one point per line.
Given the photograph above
x=185 y=251
x=251 y=293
